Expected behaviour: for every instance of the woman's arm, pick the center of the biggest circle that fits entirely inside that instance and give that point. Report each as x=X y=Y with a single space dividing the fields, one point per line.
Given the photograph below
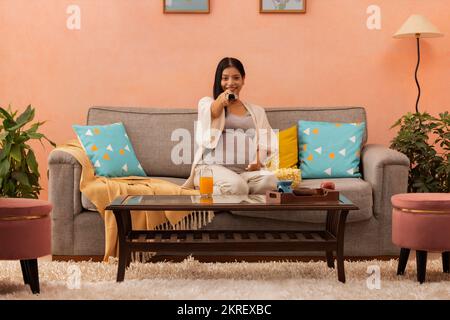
x=219 y=104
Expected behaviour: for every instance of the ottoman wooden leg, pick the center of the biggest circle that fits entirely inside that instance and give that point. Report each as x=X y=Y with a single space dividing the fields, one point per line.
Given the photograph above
x=30 y=274
x=446 y=261
x=421 y=260
x=25 y=272
x=402 y=261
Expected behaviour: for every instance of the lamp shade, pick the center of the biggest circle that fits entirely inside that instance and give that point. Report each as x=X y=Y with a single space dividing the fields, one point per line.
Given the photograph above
x=418 y=26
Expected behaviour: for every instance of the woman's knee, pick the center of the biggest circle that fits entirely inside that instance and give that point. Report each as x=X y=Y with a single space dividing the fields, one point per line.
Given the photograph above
x=263 y=184
x=234 y=186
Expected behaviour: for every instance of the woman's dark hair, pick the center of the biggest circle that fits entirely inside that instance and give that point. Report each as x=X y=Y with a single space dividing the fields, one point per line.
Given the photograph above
x=223 y=64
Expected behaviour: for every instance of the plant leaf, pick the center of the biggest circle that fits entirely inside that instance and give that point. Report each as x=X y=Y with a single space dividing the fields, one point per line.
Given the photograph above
x=21 y=177
x=16 y=152
x=3 y=135
x=5 y=114
x=4 y=167
x=4 y=153
x=35 y=135
x=34 y=127
x=31 y=161
x=50 y=141
x=26 y=116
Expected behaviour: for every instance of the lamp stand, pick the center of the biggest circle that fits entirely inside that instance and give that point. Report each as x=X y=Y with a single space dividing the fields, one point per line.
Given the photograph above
x=417 y=68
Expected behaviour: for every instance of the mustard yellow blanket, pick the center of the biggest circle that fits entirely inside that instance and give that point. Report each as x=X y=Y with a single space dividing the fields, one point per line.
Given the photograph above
x=101 y=191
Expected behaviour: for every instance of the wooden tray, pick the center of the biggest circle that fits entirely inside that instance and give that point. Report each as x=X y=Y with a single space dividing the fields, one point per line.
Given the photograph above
x=315 y=195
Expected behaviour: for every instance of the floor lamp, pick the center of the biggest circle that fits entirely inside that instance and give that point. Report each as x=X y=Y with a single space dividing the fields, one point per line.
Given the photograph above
x=417 y=26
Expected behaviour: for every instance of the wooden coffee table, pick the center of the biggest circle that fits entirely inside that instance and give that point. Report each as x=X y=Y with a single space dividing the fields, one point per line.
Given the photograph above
x=329 y=239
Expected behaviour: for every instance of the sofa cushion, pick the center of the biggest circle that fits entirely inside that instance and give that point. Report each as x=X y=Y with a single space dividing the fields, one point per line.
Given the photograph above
x=288 y=147
x=356 y=190
x=88 y=205
x=330 y=150
x=109 y=150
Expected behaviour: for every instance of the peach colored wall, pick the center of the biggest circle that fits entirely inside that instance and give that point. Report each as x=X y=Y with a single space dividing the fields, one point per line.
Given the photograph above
x=128 y=53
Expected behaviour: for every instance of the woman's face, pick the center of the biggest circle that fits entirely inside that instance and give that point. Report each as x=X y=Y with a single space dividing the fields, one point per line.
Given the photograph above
x=232 y=80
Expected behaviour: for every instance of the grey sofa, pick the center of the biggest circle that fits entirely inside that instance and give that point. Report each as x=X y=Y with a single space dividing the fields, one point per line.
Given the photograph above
x=77 y=229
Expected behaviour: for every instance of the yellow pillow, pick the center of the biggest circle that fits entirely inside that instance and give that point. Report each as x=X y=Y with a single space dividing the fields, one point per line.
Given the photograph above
x=288 y=147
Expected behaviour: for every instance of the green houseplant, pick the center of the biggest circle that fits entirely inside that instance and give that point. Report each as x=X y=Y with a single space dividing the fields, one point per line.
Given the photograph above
x=19 y=173
x=425 y=140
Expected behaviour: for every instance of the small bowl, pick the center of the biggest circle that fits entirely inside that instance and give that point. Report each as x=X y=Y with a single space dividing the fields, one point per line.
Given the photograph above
x=284 y=186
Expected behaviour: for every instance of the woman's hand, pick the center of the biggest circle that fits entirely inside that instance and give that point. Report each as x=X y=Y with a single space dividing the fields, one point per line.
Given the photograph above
x=254 y=166
x=223 y=98
x=220 y=103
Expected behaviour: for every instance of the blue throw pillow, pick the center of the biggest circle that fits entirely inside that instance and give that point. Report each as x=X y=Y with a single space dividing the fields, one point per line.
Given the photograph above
x=329 y=149
x=109 y=149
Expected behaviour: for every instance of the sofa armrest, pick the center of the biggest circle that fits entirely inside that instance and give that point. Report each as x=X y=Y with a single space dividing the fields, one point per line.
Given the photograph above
x=64 y=174
x=387 y=171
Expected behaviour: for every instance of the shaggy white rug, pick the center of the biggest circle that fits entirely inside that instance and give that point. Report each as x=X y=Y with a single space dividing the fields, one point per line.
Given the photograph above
x=191 y=279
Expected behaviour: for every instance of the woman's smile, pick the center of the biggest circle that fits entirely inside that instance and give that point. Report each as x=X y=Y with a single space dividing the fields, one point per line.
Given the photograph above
x=232 y=80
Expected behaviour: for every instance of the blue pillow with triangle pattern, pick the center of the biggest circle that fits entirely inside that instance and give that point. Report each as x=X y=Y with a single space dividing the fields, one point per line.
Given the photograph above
x=330 y=149
x=109 y=150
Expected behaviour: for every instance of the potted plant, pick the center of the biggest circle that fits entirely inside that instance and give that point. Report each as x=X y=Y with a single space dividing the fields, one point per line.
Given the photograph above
x=425 y=140
x=19 y=173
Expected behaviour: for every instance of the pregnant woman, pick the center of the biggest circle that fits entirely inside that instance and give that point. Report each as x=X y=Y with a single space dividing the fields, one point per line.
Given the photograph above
x=234 y=137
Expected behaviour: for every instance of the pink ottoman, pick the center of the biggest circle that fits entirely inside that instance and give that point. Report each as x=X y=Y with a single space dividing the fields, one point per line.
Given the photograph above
x=421 y=221
x=25 y=235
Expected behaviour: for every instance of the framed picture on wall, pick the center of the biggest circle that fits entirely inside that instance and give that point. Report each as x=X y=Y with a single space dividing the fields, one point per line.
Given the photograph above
x=282 y=6
x=186 y=6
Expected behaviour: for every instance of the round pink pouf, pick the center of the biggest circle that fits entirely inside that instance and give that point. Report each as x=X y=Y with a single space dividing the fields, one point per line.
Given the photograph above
x=421 y=222
x=25 y=235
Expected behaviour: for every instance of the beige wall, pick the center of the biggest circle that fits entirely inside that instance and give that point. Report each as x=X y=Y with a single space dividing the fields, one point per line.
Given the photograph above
x=128 y=53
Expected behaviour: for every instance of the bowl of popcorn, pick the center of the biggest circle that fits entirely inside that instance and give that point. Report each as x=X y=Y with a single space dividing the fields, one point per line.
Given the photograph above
x=293 y=174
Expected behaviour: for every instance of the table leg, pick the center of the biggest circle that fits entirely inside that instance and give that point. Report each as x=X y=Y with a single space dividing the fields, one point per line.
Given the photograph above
x=332 y=216
x=123 y=220
x=340 y=244
x=330 y=259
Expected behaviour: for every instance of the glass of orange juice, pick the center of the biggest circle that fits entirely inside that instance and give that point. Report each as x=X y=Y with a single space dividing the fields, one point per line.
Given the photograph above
x=206 y=182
